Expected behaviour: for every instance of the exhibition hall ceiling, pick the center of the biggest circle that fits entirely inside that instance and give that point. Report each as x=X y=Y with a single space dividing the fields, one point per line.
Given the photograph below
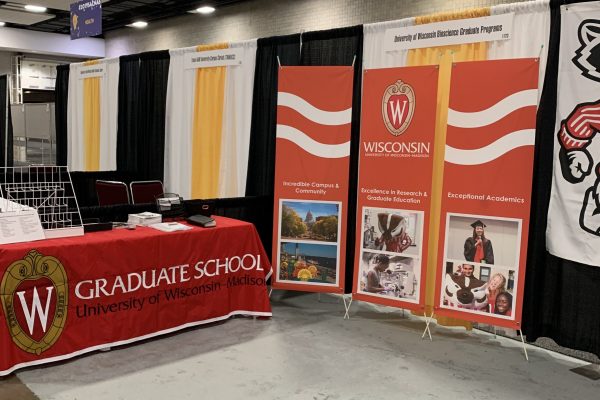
x=116 y=14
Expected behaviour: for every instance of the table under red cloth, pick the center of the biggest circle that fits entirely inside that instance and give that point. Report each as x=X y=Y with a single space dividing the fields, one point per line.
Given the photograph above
x=65 y=297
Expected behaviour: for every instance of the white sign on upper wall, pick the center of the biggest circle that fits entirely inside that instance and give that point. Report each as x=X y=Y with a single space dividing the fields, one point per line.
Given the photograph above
x=469 y=30
x=38 y=74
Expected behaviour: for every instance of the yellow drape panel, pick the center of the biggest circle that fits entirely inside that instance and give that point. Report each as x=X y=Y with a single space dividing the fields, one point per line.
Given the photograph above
x=444 y=56
x=207 y=127
x=91 y=121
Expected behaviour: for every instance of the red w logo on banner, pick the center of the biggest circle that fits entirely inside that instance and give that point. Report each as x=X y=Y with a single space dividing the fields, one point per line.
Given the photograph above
x=398 y=107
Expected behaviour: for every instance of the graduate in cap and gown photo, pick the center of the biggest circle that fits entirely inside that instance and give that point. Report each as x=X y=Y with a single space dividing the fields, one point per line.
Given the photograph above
x=477 y=247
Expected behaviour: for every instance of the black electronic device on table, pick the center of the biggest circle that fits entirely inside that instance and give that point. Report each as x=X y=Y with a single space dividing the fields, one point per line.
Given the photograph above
x=202 y=220
x=94 y=225
x=170 y=205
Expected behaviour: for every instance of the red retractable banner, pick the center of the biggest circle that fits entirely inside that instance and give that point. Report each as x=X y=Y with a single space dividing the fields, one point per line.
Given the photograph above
x=314 y=111
x=394 y=189
x=487 y=191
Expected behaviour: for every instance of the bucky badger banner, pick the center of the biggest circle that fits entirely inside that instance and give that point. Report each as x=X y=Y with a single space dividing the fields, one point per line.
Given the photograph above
x=394 y=190
x=487 y=191
x=573 y=230
x=314 y=111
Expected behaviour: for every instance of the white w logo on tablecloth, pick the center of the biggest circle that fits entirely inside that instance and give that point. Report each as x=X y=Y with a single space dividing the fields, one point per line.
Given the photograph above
x=36 y=308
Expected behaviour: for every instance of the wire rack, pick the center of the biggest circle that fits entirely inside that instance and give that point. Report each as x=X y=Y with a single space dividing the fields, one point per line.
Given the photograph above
x=49 y=190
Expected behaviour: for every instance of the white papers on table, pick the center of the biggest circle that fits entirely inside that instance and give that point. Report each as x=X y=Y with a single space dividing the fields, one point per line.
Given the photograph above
x=170 y=226
x=19 y=223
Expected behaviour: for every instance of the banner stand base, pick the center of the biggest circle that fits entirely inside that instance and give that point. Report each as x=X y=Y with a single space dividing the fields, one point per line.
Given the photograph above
x=347 y=304
x=523 y=342
x=329 y=302
x=428 y=319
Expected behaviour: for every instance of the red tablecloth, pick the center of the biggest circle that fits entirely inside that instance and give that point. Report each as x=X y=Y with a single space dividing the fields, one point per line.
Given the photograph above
x=64 y=297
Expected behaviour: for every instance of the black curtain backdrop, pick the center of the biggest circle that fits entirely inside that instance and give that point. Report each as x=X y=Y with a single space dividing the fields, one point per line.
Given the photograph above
x=61 y=95
x=3 y=118
x=128 y=115
x=261 y=160
x=152 y=105
x=342 y=47
x=6 y=135
x=9 y=138
x=561 y=297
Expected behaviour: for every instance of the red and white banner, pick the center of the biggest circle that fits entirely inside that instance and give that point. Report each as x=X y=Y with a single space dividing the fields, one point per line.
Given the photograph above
x=573 y=231
x=487 y=191
x=394 y=188
x=66 y=297
x=314 y=111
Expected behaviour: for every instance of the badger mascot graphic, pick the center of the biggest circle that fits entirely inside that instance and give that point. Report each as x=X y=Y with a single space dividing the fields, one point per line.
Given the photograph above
x=393 y=237
x=465 y=292
x=577 y=131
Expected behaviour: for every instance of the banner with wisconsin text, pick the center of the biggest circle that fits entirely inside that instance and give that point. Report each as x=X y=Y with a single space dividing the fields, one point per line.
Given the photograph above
x=394 y=188
x=573 y=230
x=314 y=111
x=487 y=191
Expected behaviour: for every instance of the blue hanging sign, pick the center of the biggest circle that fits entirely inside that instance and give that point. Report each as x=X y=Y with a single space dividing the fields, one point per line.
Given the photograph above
x=86 y=18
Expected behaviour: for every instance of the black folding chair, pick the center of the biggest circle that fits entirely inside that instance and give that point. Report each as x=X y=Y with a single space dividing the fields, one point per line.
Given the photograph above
x=145 y=191
x=112 y=192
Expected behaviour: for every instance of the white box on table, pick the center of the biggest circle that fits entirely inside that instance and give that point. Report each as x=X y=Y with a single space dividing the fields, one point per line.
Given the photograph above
x=144 y=219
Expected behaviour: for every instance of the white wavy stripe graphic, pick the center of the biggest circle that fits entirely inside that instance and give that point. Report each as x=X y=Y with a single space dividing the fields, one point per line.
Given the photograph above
x=513 y=140
x=496 y=112
x=313 y=113
x=311 y=146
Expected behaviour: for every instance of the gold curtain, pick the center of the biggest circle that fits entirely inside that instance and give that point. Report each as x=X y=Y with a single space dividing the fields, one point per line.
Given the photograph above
x=207 y=127
x=444 y=56
x=91 y=121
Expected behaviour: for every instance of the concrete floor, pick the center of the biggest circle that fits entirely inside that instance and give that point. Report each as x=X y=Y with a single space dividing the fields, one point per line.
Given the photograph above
x=307 y=351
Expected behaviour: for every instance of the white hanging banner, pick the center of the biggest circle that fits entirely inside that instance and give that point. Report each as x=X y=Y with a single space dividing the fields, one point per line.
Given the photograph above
x=573 y=231
x=213 y=58
x=468 y=30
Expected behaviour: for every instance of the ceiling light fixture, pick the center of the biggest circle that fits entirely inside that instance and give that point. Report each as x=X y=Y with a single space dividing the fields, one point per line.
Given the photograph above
x=37 y=9
x=206 y=10
x=139 y=24
x=2 y=23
